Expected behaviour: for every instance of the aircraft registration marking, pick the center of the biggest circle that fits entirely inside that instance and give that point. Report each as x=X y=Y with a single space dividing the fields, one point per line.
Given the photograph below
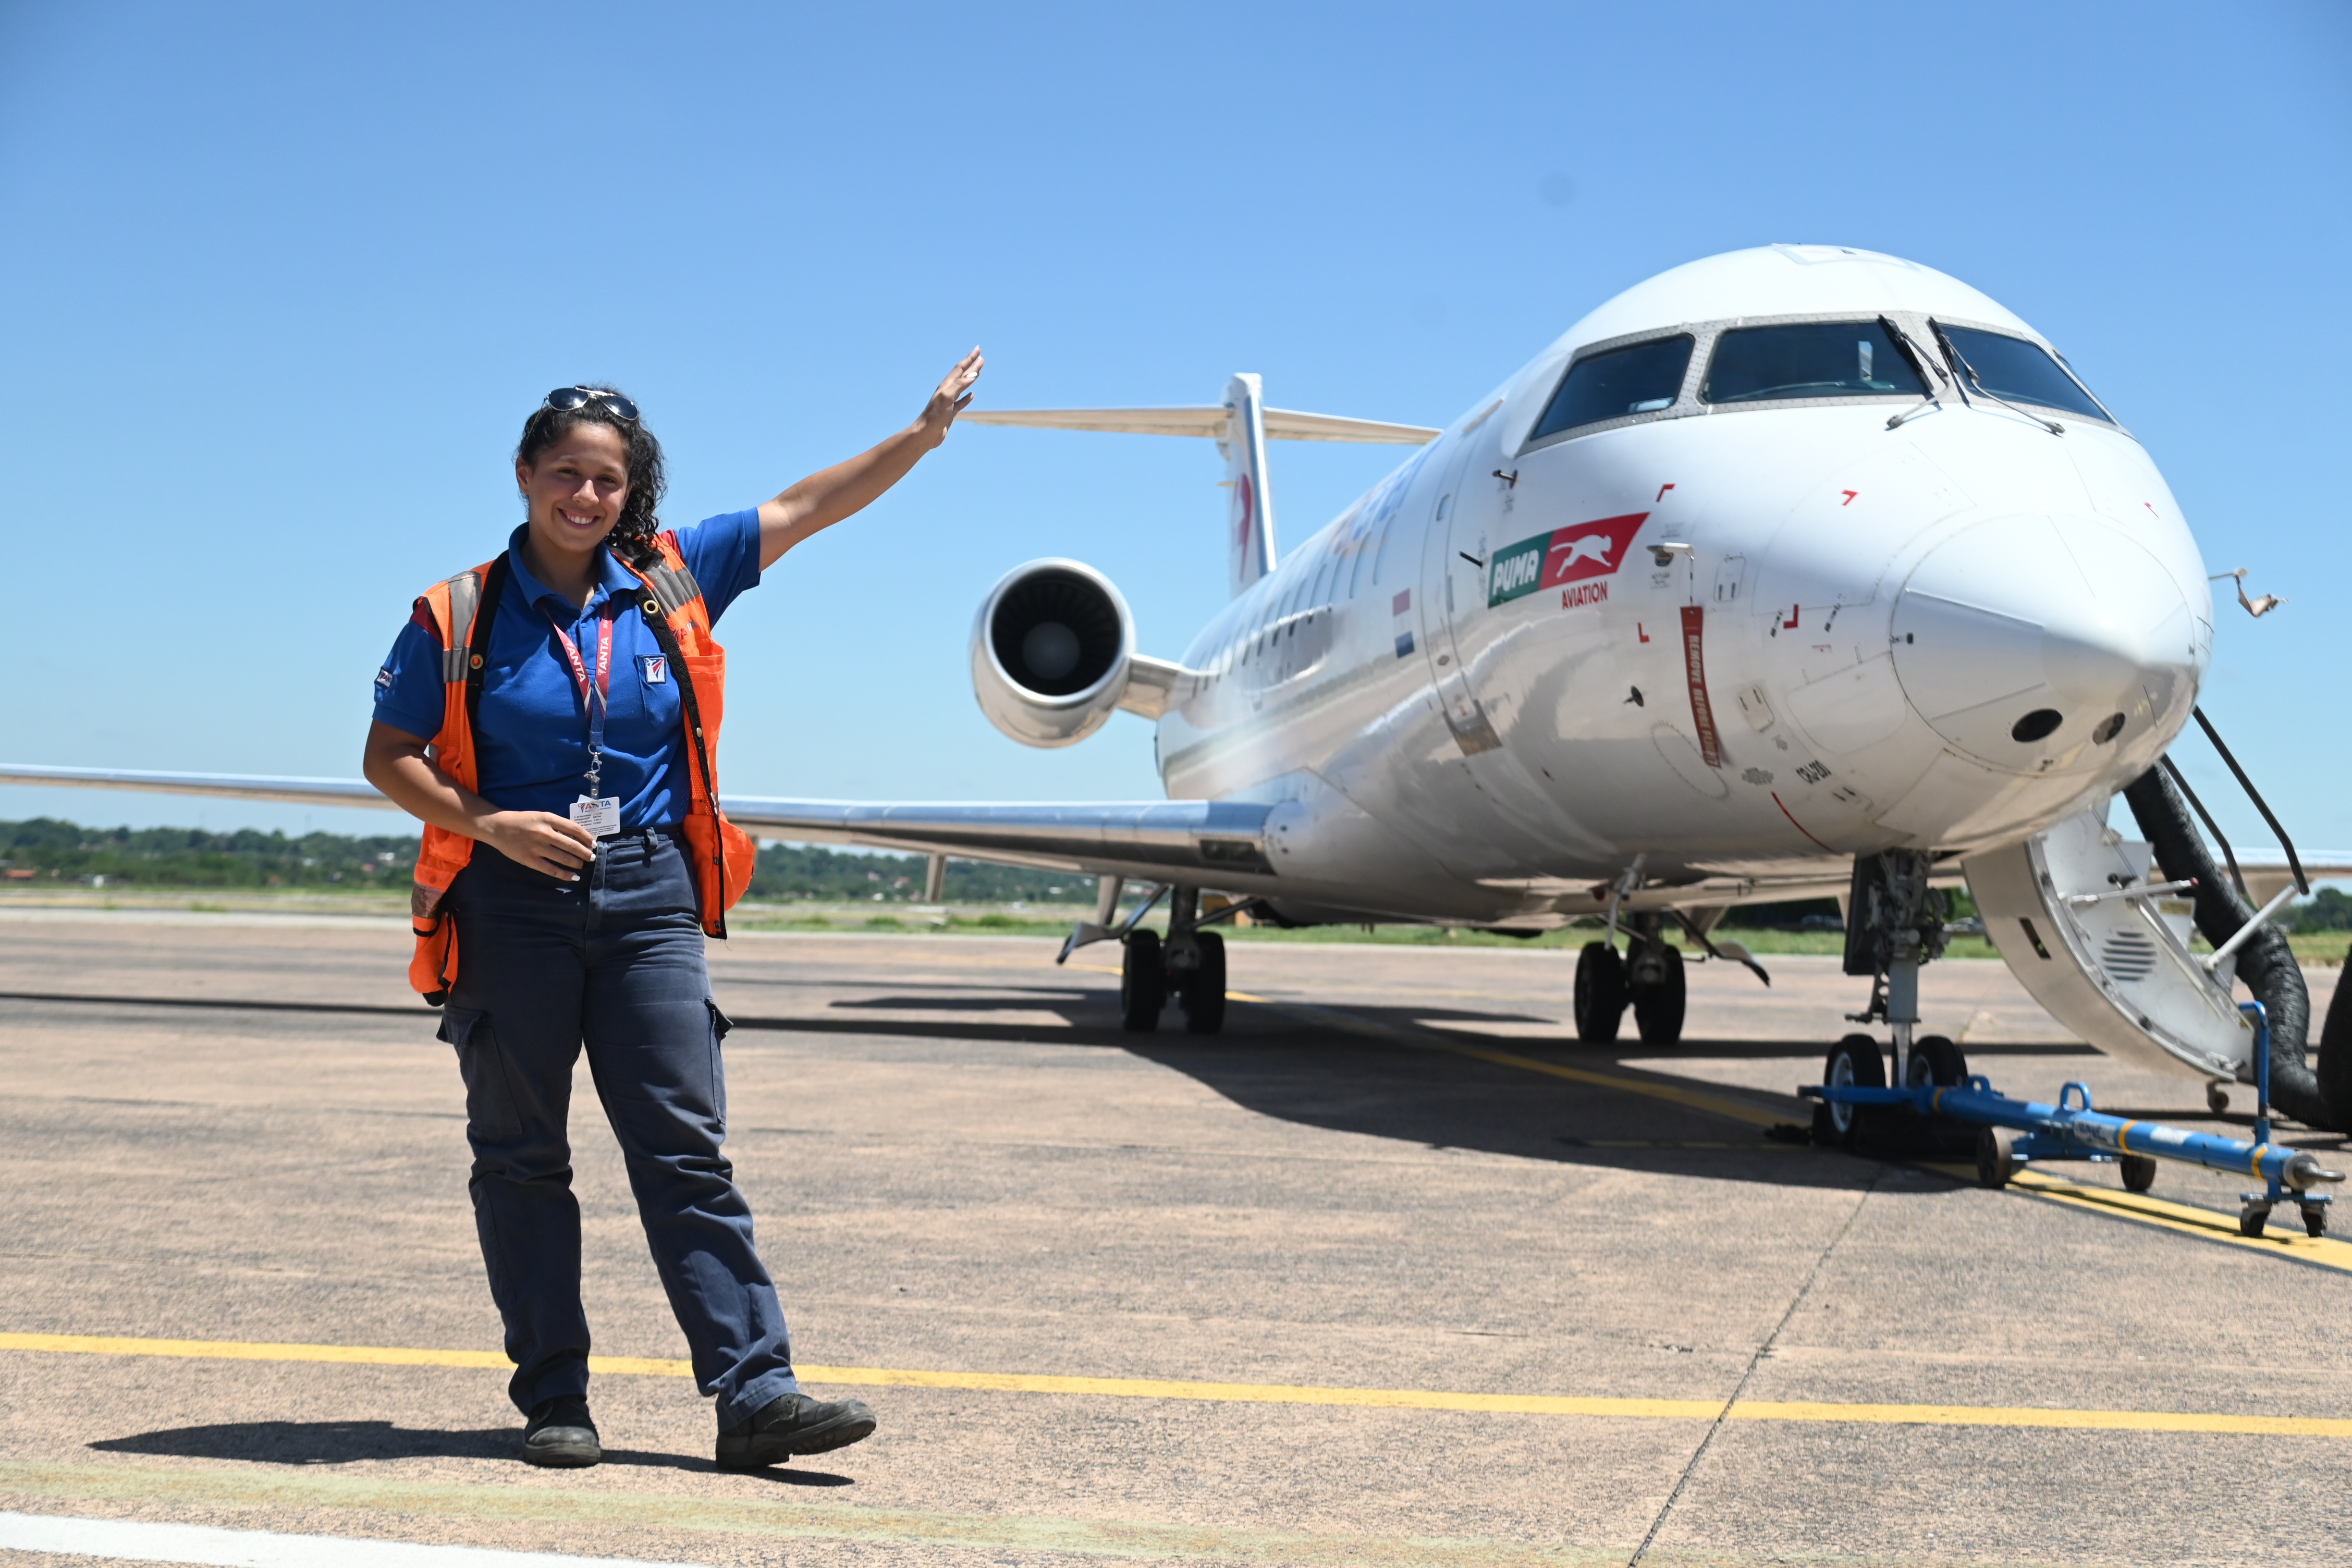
x=1252 y=1393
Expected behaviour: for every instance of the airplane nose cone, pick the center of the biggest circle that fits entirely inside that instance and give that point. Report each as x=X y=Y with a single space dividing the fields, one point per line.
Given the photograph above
x=2040 y=643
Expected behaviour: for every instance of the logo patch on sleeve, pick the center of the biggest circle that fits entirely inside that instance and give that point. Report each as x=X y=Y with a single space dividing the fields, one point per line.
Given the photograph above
x=656 y=668
x=384 y=678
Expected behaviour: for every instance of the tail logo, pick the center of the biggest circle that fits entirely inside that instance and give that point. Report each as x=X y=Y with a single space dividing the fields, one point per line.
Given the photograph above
x=1244 y=513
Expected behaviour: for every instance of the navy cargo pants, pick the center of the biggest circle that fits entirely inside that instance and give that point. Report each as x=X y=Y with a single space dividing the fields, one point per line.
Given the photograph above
x=614 y=962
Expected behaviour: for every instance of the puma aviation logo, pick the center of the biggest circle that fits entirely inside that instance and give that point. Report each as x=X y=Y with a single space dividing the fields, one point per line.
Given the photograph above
x=1563 y=556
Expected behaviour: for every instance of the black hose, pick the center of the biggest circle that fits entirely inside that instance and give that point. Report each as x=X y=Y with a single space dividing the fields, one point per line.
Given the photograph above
x=2265 y=962
x=2336 y=1048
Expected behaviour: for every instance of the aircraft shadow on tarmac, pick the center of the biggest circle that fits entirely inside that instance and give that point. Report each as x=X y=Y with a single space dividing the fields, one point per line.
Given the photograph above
x=1275 y=1065
x=359 y=1442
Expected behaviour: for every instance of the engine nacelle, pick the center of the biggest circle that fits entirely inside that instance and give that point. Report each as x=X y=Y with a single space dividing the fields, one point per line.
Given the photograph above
x=1053 y=654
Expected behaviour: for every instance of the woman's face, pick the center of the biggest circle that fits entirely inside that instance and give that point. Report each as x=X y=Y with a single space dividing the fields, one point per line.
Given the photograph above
x=576 y=488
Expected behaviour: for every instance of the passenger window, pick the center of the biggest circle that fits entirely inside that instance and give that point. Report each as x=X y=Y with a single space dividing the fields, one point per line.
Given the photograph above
x=1637 y=379
x=1814 y=359
x=2017 y=371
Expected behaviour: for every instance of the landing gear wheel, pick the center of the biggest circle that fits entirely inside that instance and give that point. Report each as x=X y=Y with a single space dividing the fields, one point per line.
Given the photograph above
x=1142 y=982
x=1600 y=994
x=1936 y=1061
x=2138 y=1171
x=1658 y=1009
x=1854 y=1063
x=1996 y=1156
x=1202 y=993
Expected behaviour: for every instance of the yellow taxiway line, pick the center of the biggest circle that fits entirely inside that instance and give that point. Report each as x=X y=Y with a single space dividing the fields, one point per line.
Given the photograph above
x=1257 y=1393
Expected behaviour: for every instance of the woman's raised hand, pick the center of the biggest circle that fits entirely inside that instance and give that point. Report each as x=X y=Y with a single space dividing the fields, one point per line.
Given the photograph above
x=950 y=399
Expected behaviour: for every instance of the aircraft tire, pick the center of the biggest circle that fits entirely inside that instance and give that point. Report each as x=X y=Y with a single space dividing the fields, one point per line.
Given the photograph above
x=1853 y=1062
x=1937 y=1061
x=1202 y=993
x=1142 y=982
x=1600 y=994
x=1658 y=1010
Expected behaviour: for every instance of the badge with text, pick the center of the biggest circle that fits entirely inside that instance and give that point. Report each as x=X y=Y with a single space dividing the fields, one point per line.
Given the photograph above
x=600 y=818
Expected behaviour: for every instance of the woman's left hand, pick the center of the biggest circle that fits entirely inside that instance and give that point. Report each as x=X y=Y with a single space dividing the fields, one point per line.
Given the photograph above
x=950 y=399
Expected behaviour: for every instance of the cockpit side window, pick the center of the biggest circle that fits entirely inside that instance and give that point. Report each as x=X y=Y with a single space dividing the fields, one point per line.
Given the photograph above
x=1639 y=378
x=2017 y=371
x=1806 y=360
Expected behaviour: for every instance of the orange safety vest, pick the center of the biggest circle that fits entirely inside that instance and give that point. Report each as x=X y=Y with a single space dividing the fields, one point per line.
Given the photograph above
x=462 y=610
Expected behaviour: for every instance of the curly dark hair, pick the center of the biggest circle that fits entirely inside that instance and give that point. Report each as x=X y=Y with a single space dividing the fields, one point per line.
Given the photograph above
x=632 y=538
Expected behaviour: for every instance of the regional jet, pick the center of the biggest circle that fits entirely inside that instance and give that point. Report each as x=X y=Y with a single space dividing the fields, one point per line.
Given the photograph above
x=1793 y=572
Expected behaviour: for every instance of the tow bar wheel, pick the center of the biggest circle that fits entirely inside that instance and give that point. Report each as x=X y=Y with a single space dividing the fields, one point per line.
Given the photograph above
x=1854 y=1063
x=1996 y=1156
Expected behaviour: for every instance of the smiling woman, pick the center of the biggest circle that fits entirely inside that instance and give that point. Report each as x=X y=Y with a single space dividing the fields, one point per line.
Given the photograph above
x=561 y=704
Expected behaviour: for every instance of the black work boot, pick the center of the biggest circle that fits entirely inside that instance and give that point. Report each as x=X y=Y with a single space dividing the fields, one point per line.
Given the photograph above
x=793 y=1423
x=560 y=1435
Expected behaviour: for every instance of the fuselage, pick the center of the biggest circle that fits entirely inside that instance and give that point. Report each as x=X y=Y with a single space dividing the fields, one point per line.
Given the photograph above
x=1487 y=685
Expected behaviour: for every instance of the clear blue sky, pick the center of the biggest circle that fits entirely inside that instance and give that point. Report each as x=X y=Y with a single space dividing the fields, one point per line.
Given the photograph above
x=282 y=282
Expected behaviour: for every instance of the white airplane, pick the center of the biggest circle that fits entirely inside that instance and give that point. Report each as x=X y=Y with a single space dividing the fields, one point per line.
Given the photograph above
x=1791 y=571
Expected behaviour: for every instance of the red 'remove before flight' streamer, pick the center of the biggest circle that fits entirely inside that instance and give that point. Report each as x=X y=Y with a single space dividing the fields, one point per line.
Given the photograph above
x=1710 y=749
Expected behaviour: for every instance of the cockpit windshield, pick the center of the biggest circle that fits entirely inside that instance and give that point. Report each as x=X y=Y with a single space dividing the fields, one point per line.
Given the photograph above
x=2017 y=371
x=1809 y=359
x=1640 y=378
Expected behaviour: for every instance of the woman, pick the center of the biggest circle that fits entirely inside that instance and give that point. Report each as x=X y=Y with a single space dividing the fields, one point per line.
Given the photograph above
x=560 y=706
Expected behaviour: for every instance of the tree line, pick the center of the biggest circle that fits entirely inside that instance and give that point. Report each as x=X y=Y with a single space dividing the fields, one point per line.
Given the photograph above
x=47 y=850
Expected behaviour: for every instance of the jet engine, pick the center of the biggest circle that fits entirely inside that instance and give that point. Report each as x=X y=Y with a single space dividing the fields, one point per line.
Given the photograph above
x=1053 y=654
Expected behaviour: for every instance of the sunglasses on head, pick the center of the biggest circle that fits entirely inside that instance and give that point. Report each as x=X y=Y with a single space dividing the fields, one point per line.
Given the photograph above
x=564 y=399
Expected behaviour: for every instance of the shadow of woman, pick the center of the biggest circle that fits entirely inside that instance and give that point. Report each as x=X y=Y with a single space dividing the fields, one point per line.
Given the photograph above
x=359 y=1442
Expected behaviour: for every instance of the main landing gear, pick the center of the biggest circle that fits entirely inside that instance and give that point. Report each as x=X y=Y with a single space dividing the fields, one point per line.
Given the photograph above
x=1648 y=977
x=1188 y=969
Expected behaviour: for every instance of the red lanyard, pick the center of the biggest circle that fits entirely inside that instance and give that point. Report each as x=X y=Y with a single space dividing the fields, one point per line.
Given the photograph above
x=592 y=696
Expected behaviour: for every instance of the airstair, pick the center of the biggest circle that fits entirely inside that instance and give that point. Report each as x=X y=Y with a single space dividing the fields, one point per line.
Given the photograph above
x=2098 y=927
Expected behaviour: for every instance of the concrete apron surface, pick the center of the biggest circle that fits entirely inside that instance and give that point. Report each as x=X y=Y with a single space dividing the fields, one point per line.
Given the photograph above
x=1393 y=1272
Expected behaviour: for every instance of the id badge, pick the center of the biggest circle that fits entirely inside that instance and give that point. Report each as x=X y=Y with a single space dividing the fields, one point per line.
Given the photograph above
x=600 y=818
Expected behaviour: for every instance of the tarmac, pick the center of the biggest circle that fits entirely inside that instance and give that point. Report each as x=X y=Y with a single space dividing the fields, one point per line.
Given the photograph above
x=1393 y=1272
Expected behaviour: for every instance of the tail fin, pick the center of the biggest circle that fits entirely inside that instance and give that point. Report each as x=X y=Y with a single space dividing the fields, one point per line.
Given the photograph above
x=1249 y=514
x=1241 y=425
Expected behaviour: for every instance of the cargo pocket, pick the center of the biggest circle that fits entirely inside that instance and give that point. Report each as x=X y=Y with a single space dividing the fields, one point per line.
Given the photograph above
x=490 y=1114
x=720 y=1024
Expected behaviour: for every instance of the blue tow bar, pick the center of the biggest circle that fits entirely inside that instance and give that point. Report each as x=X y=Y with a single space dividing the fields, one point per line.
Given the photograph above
x=2017 y=1130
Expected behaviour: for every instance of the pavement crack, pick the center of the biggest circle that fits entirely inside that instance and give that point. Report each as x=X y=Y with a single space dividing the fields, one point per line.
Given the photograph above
x=1748 y=1373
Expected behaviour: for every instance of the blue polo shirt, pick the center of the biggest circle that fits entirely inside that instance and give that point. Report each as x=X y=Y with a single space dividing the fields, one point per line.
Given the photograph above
x=531 y=741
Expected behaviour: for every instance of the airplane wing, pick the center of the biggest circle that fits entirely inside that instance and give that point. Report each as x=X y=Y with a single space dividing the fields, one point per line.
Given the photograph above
x=236 y=786
x=1281 y=424
x=1149 y=841
x=1223 y=843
